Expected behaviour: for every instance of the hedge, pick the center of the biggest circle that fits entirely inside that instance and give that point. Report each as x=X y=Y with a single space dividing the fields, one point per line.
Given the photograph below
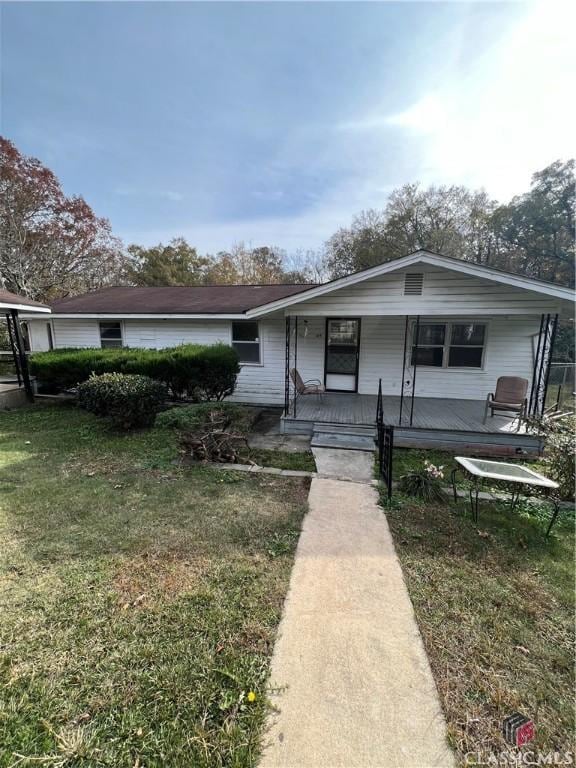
x=190 y=370
x=127 y=401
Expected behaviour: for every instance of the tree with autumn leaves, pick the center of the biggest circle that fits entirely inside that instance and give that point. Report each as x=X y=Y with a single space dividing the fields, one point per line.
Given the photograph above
x=51 y=245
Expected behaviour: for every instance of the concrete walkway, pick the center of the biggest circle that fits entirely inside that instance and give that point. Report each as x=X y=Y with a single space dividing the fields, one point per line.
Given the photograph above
x=344 y=465
x=354 y=687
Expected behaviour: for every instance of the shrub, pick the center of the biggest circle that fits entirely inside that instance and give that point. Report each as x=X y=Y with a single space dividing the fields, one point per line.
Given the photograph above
x=200 y=373
x=559 y=461
x=191 y=370
x=127 y=401
x=192 y=417
x=425 y=483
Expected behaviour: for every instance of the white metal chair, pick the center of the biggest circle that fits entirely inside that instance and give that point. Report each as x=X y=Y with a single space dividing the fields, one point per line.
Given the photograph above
x=510 y=397
x=309 y=387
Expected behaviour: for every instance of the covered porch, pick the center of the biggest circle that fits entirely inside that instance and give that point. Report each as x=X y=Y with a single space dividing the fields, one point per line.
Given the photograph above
x=442 y=423
x=434 y=372
x=427 y=413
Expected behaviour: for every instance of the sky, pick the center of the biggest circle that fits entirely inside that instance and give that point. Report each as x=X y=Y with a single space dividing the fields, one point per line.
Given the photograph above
x=273 y=123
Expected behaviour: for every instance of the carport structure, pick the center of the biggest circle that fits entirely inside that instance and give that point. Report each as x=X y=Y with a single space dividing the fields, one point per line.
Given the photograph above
x=10 y=305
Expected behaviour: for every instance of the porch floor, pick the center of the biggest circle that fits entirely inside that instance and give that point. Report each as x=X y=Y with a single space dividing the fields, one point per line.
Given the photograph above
x=429 y=413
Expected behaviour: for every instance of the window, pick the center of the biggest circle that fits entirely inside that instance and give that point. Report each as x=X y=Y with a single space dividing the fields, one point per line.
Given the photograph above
x=449 y=345
x=110 y=335
x=466 y=345
x=246 y=340
x=431 y=340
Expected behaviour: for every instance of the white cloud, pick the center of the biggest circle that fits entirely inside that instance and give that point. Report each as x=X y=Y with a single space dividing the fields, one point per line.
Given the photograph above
x=163 y=194
x=489 y=121
x=511 y=115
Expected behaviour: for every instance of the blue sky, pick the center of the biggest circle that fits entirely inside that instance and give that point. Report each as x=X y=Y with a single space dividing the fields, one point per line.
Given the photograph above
x=273 y=123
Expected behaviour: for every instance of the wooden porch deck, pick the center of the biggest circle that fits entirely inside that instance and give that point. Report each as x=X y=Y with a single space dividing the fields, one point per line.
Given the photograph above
x=446 y=414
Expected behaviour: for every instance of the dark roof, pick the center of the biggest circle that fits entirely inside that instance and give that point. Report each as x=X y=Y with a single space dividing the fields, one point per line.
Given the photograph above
x=209 y=299
x=13 y=298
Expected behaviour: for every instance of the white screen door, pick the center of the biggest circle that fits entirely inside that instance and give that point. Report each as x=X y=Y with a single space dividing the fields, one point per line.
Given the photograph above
x=342 y=353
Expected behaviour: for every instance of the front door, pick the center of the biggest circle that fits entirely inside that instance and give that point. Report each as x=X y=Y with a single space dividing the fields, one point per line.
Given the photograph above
x=342 y=354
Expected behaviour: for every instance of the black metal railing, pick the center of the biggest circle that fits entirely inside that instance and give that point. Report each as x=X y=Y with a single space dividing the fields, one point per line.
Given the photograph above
x=542 y=364
x=385 y=441
x=19 y=352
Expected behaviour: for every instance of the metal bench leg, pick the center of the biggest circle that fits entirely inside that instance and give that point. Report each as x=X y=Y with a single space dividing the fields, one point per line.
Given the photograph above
x=453 y=481
x=474 y=500
x=554 y=516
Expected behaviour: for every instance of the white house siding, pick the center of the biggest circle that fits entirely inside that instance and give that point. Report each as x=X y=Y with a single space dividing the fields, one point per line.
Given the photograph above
x=38 y=332
x=75 y=333
x=508 y=352
x=443 y=291
x=262 y=384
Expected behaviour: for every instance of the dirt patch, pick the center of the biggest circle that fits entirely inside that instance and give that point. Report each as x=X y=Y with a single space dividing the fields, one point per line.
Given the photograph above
x=142 y=580
x=266 y=421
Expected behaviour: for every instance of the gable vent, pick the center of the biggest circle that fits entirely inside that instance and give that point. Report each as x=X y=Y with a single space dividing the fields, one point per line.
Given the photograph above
x=413 y=282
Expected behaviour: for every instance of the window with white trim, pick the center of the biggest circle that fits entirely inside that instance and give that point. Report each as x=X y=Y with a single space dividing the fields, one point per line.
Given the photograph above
x=110 y=335
x=246 y=341
x=449 y=345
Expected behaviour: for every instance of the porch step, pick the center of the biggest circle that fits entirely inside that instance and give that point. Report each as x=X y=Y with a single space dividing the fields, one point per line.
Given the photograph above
x=345 y=429
x=346 y=440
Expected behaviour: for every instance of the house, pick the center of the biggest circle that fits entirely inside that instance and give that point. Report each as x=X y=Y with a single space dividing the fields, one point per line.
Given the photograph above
x=434 y=332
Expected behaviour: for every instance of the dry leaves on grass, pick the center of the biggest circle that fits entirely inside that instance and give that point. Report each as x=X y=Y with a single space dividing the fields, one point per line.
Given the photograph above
x=141 y=580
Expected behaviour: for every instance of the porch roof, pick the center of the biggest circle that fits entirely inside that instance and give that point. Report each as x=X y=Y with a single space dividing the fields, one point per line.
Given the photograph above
x=559 y=295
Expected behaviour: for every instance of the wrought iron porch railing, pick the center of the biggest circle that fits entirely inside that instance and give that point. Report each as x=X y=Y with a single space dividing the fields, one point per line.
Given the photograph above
x=385 y=440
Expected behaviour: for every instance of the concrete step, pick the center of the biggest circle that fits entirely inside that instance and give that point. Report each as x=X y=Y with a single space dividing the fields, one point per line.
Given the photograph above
x=344 y=429
x=351 y=442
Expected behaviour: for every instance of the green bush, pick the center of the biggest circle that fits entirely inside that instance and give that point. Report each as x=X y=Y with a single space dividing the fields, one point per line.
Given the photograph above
x=559 y=460
x=424 y=483
x=127 y=401
x=191 y=370
x=192 y=417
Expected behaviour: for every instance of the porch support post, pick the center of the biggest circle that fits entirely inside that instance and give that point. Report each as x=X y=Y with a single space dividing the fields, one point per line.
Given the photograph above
x=403 y=371
x=13 y=348
x=295 y=360
x=535 y=368
x=415 y=366
x=542 y=364
x=548 y=362
x=287 y=369
x=19 y=353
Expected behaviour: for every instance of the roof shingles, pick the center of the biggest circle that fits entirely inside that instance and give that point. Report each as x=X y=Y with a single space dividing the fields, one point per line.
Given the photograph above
x=14 y=299
x=210 y=299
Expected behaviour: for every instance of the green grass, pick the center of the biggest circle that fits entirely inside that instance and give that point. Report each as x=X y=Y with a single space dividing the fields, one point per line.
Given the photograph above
x=300 y=460
x=410 y=460
x=495 y=606
x=139 y=599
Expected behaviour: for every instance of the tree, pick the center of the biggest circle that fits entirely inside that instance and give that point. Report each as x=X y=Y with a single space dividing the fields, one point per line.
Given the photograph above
x=50 y=245
x=174 y=264
x=248 y=266
x=534 y=232
x=360 y=246
x=449 y=220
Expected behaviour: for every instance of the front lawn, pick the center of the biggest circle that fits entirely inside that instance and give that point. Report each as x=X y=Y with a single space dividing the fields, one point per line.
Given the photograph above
x=139 y=599
x=495 y=606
